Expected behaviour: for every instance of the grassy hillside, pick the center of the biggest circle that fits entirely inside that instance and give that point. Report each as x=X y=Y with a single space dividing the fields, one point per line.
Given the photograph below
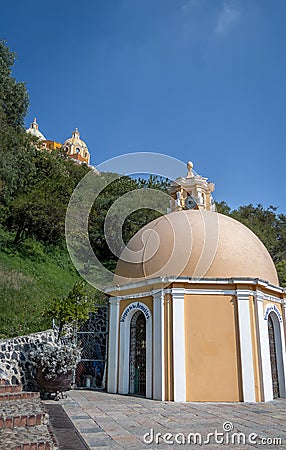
x=30 y=276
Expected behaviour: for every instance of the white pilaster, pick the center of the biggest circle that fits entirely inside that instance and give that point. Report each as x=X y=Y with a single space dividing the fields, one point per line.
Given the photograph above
x=245 y=339
x=113 y=345
x=158 y=343
x=267 y=389
x=179 y=362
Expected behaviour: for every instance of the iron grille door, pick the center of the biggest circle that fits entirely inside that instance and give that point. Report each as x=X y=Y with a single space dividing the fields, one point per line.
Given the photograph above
x=137 y=355
x=273 y=358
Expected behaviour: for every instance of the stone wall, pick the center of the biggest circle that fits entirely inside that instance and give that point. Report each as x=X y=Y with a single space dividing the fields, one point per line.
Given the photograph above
x=14 y=358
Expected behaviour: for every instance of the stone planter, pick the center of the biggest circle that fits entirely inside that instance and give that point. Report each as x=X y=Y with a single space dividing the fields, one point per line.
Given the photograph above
x=57 y=386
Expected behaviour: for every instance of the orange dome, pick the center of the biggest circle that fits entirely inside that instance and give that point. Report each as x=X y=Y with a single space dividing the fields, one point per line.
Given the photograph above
x=198 y=244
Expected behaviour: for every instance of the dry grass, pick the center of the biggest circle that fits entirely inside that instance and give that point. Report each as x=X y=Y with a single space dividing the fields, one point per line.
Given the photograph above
x=13 y=279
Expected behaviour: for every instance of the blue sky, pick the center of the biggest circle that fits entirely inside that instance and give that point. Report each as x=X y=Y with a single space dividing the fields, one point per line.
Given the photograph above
x=200 y=80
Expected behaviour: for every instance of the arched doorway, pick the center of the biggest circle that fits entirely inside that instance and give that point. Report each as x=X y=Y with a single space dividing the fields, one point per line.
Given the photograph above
x=273 y=357
x=137 y=355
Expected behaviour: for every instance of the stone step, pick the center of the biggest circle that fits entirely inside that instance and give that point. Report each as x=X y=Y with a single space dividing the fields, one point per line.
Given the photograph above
x=22 y=413
x=22 y=421
x=25 y=438
x=18 y=396
x=10 y=388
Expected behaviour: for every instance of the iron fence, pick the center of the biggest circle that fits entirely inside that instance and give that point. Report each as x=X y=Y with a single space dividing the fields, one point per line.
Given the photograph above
x=92 y=337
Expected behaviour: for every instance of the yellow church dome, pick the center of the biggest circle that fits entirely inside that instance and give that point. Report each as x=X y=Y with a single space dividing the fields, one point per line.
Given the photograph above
x=76 y=148
x=195 y=243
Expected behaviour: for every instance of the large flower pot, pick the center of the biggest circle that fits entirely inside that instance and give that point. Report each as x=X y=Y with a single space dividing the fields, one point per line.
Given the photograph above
x=56 y=385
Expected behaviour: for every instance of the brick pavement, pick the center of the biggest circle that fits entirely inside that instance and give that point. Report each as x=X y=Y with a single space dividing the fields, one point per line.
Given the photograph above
x=109 y=421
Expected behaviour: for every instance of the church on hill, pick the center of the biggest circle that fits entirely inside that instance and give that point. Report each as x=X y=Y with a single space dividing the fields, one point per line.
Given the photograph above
x=74 y=146
x=200 y=316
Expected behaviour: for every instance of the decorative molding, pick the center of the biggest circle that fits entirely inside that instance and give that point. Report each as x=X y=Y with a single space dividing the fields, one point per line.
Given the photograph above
x=114 y=300
x=280 y=350
x=270 y=298
x=264 y=351
x=272 y=308
x=124 y=350
x=135 y=306
x=137 y=295
x=262 y=296
x=243 y=294
x=210 y=291
x=162 y=281
x=259 y=296
x=180 y=290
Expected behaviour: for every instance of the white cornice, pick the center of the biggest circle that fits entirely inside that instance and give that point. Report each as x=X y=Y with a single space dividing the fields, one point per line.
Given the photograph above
x=161 y=282
x=241 y=294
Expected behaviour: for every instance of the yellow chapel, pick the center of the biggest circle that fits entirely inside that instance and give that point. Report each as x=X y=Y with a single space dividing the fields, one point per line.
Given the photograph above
x=201 y=317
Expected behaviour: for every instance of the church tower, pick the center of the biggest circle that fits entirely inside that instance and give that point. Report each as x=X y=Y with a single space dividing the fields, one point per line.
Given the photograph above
x=191 y=192
x=76 y=148
x=34 y=130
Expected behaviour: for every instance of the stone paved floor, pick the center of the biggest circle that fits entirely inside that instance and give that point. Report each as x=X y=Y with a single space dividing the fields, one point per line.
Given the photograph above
x=108 y=421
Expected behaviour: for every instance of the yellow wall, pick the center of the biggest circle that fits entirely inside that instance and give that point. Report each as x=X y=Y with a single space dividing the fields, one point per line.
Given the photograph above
x=212 y=348
x=52 y=145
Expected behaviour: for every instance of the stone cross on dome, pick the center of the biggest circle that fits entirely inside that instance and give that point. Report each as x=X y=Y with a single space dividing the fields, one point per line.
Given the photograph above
x=191 y=192
x=76 y=134
x=34 y=124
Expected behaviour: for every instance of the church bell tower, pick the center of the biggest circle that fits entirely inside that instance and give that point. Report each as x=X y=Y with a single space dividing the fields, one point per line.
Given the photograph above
x=191 y=192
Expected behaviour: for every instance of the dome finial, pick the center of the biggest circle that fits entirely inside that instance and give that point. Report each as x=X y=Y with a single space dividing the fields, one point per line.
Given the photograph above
x=190 y=166
x=75 y=133
x=34 y=124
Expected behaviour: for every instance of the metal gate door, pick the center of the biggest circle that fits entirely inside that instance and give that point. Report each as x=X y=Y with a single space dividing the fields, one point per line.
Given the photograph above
x=273 y=358
x=137 y=356
x=93 y=339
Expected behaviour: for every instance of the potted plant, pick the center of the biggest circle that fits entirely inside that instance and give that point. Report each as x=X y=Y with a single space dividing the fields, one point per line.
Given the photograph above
x=55 y=362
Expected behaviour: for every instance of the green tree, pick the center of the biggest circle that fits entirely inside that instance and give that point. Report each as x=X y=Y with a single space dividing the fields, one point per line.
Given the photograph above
x=15 y=144
x=262 y=221
x=223 y=208
x=39 y=209
x=269 y=226
x=116 y=188
x=74 y=309
x=14 y=98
